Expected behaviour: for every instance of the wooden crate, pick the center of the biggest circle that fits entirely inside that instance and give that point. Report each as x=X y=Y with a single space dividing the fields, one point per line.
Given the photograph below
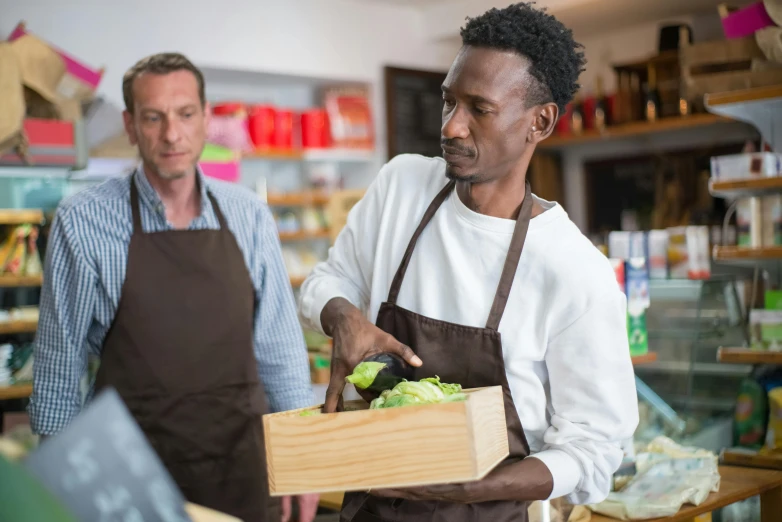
x=395 y=447
x=722 y=66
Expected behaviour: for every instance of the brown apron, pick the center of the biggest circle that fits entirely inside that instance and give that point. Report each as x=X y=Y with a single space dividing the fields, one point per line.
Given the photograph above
x=461 y=354
x=180 y=354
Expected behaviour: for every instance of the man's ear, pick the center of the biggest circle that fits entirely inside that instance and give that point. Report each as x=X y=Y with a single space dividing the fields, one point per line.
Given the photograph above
x=543 y=125
x=130 y=129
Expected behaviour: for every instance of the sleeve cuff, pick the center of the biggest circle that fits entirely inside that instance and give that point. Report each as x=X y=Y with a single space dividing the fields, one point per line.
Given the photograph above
x=314 y=299
x=564 y=468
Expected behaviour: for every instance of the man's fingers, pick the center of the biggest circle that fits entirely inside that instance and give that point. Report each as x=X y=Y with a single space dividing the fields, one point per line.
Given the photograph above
x=308 y=507
x=406 y=353
x=286 y=509
x=334 y=391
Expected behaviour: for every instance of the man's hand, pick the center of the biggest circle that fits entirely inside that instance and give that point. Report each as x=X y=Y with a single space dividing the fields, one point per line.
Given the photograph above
x=522 y=481
x=355 y=339
x=308 y=508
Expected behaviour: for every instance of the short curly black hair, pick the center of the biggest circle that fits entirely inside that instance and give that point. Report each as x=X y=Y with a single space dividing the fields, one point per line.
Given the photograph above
x=556 y=60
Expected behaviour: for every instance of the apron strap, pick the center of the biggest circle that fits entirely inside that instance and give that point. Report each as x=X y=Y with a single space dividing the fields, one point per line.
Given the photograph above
x=217 y=211
x=511 y=260
x=352 y=506
x=396 y=284
x=134 y=206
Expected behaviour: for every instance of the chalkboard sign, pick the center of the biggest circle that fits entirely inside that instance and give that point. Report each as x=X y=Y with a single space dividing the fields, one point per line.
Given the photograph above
x=103 y=469
x=414 y=110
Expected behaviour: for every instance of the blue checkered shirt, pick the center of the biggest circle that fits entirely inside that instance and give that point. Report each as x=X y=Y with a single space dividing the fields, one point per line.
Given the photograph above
x=84 y=270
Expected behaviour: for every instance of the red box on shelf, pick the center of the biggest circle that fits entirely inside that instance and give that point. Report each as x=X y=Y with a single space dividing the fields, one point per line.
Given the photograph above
x=51 y=143
x=315 y=129
x=283 y=130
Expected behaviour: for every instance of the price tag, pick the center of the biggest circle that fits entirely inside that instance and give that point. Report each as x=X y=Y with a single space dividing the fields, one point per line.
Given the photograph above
x=104 y=470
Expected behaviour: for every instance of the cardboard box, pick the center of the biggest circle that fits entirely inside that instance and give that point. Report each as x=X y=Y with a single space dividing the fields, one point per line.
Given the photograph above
x=395 y=447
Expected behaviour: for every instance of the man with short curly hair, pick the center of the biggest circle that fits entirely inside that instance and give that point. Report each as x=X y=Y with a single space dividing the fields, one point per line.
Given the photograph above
x=454 y=265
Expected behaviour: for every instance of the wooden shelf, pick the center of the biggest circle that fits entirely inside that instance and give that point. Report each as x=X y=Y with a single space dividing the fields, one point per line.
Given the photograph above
x=633 y=130
x=738 y=457
x=7 y=281
x=760 y=106
x=743 y=188
x=18 y=327
x=279 y=155
x=16 y=391
x=747 y=356
x=645 y=359
x=297 y=199
x=736 y=484
x=304 y=235
x=339 y=155
x=9 y=216
x=737 y=253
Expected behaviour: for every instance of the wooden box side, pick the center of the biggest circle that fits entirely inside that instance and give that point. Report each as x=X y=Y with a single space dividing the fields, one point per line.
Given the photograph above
x=488 y=429
x=352 y=450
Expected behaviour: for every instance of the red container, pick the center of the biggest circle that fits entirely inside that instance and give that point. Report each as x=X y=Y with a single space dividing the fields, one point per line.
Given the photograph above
x=261 y=126
x=283 y=130
x=228 y=109
x=315 y=129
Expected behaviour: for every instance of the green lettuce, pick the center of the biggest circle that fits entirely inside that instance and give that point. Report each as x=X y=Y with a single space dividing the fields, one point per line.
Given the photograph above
x=425 y=391
x=364 y=374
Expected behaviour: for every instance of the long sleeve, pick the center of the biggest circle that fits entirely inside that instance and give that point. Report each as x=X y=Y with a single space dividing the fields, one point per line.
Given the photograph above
x=593 y=401
x=67 y=303
x=279 y=343
x=347 y=272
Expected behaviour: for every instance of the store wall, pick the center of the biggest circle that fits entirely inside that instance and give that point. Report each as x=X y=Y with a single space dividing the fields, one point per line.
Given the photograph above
x=340 y=39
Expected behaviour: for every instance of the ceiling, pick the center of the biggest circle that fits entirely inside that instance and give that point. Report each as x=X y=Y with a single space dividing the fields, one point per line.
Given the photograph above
x=585 y=17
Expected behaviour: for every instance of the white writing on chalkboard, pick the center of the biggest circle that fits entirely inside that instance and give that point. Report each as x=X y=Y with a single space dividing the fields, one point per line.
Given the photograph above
x=115 y=504
x=84 y=467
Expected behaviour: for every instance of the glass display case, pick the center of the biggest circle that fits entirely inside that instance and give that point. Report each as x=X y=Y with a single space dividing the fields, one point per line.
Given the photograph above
x=686 y=394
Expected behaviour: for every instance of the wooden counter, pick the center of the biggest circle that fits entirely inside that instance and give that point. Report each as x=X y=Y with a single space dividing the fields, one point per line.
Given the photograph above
x=737 y=484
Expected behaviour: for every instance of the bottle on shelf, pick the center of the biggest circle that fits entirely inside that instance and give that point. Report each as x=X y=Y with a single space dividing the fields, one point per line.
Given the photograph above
x=652 y=97
x=601 y=106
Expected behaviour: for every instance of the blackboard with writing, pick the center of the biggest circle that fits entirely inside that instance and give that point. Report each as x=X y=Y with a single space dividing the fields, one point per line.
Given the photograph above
x=414 y=108
x=104 y=470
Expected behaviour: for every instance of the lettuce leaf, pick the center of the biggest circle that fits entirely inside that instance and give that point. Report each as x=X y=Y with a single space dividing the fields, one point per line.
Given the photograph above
x=364 y=374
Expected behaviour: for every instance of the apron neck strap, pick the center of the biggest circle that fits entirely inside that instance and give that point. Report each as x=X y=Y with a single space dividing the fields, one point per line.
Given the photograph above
x=137 y=214
x=511 y=260
x=134 y=206
x=396 y=284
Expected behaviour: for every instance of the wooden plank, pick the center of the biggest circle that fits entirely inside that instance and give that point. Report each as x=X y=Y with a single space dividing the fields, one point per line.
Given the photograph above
x=202 y=514
x=720 y=51
x=758 y=94
x=272 y=154
x=297 y=199
x=455 y=442
x=16 y=391
x=750 y=460
x=645 y=359
x=9 y=281
x=743 y=188
x=738 y=483
x=747 y=356
x=18 y=327
x=332 y=500
x=304 y=235
x=9 y=216
x=732 y=253
x=634 y=130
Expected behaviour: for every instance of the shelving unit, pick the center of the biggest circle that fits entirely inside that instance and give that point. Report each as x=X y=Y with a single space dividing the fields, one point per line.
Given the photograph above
x=761 y=107
x=20 y=216
x=304 y=235
x=16 y=391
x=634 y=130
x=12 y=281
x=297 y=199
x=18 y=327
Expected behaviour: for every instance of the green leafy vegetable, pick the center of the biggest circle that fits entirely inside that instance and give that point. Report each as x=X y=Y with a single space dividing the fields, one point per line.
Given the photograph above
x=425 y=391
x=364 y=374
x=309 y=413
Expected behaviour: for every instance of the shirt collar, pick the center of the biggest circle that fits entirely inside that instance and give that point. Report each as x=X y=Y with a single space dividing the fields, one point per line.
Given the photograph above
x=149 y=196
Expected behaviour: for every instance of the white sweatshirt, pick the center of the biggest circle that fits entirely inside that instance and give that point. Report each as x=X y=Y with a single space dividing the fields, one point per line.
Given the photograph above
x=564 y=329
